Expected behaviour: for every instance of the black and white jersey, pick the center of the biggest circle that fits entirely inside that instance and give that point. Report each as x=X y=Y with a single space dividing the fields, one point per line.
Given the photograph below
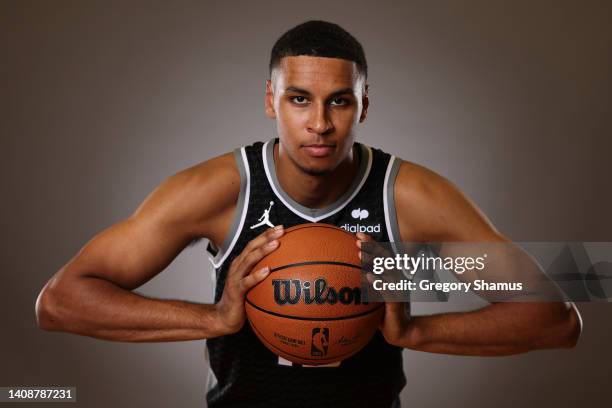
x=244 y=373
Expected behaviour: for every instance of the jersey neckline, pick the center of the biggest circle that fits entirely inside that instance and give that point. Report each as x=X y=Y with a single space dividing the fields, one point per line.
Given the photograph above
x=316 y=214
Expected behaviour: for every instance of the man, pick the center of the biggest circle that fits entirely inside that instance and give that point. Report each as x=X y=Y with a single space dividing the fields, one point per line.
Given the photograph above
x=313 y=172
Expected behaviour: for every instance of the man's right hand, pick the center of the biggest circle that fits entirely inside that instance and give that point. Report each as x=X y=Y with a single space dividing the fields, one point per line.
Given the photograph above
x=240 y=278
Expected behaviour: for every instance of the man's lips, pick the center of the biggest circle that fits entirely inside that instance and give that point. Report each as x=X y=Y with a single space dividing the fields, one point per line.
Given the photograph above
x=319 y=150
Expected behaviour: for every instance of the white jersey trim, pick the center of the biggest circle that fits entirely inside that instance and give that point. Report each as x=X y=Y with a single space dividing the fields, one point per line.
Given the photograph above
x=386 y=200
x=218 y=260
x=297 y=211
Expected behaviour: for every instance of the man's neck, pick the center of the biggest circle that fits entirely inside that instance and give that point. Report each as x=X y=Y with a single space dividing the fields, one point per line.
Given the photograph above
x=315 y=191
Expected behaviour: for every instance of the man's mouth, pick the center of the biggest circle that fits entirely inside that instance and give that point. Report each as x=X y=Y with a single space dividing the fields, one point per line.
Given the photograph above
x=319 y=150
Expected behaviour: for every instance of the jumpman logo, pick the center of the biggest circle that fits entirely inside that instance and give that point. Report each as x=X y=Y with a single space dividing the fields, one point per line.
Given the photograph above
x=265 y=218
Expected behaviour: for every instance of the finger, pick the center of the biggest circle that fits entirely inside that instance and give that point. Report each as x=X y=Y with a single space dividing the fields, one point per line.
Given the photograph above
x=253 y=279
x=253 y=257
x=371 y=251
x=361 y=238
x=366 y=258
x=382 y=281
x=375 y=249
x=372 y=247
x=363 y=256
x=364 y=237
x=262 y=239
x=266 y=236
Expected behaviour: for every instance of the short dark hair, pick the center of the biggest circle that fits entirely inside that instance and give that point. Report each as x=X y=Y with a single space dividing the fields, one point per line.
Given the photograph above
x=319 y=39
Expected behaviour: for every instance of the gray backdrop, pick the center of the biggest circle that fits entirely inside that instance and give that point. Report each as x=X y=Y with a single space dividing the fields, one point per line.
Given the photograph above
x=103 y=100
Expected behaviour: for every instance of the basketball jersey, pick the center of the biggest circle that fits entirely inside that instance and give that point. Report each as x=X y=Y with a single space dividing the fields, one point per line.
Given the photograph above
x=243 y=371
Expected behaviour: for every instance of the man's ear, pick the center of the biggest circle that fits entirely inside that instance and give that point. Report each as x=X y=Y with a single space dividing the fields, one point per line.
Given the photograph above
x=365 y=103
x=269 y=100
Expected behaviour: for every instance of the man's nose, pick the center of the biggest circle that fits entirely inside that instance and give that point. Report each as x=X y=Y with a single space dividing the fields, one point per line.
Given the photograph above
x=319 y=121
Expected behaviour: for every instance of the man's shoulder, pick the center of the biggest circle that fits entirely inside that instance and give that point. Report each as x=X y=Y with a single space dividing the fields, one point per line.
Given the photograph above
x=412 y=178
x=199 y=195
x=225 y=164
x=417 y=181
x=431 y=208
x=216 y=180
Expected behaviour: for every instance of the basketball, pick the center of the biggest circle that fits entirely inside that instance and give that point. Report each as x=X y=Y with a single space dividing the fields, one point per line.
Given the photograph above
x=309 y=310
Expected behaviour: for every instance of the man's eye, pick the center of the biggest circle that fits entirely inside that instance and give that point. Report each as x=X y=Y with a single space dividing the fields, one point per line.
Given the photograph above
x=300 y=100
x=339 y=101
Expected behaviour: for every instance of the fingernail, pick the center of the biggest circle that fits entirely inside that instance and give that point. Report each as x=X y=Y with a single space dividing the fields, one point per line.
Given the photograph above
x=265 y=270
x=272 y=244
x=278 y=227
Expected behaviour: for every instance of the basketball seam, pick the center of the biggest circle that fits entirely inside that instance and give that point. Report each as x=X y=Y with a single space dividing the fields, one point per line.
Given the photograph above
x=278 y=268
x=314 y=319
x=317 y=225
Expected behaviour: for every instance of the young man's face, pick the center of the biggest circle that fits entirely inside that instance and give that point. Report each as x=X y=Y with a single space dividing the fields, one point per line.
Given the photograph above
x=316 y=103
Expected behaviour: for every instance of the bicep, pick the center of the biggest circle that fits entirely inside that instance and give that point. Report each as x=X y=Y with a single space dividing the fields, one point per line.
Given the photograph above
x=129 y=253
x=441 y=213
x=179 y=211
x=431 y=209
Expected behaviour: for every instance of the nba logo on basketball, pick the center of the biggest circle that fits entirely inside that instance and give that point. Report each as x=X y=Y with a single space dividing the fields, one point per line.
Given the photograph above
x=320 y=342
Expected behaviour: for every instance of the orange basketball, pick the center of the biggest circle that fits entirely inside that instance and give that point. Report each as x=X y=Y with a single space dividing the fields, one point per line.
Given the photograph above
x=309 y=310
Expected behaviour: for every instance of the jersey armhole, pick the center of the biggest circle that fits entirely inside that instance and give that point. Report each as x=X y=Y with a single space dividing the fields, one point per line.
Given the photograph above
x=389 y=200
x=391 y=221
x=218 y=255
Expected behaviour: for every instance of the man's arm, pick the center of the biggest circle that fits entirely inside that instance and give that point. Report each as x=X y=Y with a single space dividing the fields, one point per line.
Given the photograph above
x=92 y=294
x=431 y=209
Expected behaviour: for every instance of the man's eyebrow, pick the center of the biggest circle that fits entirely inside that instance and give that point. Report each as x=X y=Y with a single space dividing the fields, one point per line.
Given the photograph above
x=296 y=90
x=342 y=91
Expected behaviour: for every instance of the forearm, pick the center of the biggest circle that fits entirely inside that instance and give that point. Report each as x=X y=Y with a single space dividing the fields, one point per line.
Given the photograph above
x=98 y=308
x=496 y=330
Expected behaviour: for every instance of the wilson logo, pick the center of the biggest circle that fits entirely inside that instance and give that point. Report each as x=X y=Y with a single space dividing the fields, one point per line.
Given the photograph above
x=293 y=291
